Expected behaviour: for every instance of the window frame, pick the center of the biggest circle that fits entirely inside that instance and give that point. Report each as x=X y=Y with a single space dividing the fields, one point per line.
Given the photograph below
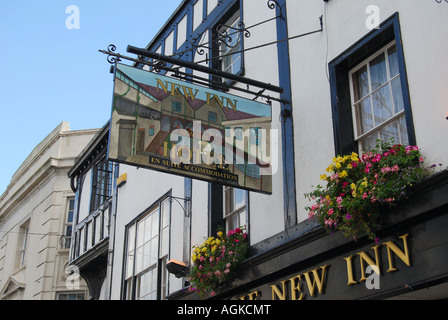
x=226 y=22
x=101 y=182
x=231 y=210
x=130 y=282
x=68 y=225
x=377 y=128
x=341 y=104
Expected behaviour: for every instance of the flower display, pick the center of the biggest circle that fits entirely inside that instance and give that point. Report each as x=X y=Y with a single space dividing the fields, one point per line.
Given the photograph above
x=215 y=260
x=357 y=188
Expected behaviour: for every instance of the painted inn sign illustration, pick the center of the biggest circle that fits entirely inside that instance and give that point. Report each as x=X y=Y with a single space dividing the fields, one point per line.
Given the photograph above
x=177 y=127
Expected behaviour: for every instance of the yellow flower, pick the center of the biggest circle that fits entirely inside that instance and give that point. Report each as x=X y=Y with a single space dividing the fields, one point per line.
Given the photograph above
x=349 y=166
x=353 y=186
x=343 y=174
x=330 y=168
x=323 y=177
x=354 y=156
x=338 y=165
x=220 y=234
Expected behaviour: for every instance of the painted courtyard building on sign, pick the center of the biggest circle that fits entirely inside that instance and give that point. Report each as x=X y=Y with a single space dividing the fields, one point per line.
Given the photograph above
x=349 y=73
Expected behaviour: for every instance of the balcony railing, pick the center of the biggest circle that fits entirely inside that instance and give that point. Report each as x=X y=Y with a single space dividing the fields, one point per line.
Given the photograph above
x=92 y=230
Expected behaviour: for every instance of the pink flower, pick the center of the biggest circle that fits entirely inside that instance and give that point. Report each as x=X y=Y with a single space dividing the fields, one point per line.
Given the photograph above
x=331 y=211
x=311 y=214
x=377 y=158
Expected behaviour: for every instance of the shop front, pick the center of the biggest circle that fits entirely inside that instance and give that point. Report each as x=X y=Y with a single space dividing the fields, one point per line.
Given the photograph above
x=410 y=261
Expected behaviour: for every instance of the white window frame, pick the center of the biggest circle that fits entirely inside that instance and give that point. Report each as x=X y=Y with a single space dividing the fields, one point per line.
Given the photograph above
x=234 y=211
x=360 y=137
x=68 y=224
x=134 y=275
x=231 y=53
x=22 y=245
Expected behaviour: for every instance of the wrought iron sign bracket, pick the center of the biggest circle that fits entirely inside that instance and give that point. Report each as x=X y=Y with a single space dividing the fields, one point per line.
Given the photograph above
x=194 y=66
x=188 y=199
x=164 y=63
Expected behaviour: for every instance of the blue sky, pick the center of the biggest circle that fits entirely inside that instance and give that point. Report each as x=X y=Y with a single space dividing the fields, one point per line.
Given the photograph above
x=51 y=74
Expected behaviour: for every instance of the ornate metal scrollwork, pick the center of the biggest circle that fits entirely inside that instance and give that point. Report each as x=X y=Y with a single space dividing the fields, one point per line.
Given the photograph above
x=223 y=37
x=440 y=1
x=195 y=43
x=272 y=4
x=113 y=57
x=227 y=35
x=159 y=66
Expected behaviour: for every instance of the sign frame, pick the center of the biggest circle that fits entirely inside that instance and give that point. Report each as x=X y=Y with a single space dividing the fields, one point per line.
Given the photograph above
x=180 y=128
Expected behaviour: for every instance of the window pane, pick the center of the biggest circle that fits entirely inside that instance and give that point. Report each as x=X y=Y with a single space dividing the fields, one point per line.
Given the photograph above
x=165 y=213
x=382 y=105
x=147 y=255
x=131 y=238
x=232 y=222
x=364 y=116
x=140 y=233
x=155 y=224
x=242 y=218
x=361 y=83
x=369 y=142
x=378 y=72
x=390 y=132
x=130 y=265
x=148 y=228
x=139 y=260
x=403 y=131
x=144 y=284
x=154 y=251
x=240 y=198
x=393 y=61
x=164 y=242
x=397 y=95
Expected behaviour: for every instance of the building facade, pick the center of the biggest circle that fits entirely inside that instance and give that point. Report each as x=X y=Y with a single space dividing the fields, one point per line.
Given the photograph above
x=36 y=214
x=350 y=73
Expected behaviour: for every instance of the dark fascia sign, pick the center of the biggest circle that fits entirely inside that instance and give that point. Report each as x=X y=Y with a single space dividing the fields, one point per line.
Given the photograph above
x=177 y=127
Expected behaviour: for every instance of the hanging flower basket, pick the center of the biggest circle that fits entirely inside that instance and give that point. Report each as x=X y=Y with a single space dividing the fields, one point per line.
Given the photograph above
x=215 y=260
x=358 y=189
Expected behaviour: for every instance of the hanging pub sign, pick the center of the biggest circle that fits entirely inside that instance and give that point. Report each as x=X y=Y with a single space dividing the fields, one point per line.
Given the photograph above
x=177 y=127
